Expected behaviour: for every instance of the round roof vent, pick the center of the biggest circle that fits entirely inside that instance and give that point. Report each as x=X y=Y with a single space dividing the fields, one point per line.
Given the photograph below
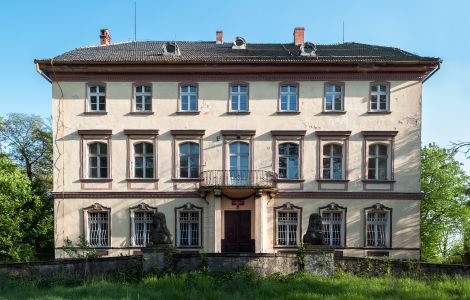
x=170 y=48
x=308 y=49
x=239 y=43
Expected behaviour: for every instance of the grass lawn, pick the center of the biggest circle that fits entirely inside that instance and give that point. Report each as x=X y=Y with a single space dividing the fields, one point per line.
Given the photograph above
x=239 y=285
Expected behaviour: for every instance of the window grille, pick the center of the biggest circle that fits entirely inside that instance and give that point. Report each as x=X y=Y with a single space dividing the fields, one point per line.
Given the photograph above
x=288 y=96
x=98 y=227
x=377 y=223
x=287 y=228
x=97 y=98
x=143 y=98
x=189 y=228
x=333 y=228
x=142 y=223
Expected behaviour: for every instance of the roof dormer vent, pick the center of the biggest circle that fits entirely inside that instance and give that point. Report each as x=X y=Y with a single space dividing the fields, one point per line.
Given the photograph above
x=239 y=43
x=170 y=48
x=308 y=49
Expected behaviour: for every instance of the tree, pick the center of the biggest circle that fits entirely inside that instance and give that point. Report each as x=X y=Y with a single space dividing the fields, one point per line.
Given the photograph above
x=444 y=210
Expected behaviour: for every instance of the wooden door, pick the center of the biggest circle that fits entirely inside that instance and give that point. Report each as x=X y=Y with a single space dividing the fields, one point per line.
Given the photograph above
x=237 y=231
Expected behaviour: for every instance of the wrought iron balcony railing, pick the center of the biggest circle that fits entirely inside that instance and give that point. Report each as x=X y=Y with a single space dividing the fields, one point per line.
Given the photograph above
x=238 y=178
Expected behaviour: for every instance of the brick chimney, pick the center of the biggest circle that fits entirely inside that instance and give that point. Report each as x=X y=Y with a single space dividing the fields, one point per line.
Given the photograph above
x=105 y=37
x=299 y=35
x=219 y=37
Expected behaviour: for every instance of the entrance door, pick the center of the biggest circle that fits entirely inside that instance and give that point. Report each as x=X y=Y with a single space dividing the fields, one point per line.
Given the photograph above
x=239 y=164
x=237 y=231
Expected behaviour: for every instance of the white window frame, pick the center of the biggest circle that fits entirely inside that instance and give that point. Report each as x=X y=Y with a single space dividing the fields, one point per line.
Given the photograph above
x=331 y=158
x=238 y=94
x=144 y=156
x=188 y=208
x=97 y=209
x=378 y=208
x=96 y=94
x=98 y=157
x=288 y=208
x=376 y=156
x=291 y=96
x=287 y=156
x=141 y=208
x=334 y=94
x=334 y=208
x=379 y=93
x=189 y=94
x=146 y=95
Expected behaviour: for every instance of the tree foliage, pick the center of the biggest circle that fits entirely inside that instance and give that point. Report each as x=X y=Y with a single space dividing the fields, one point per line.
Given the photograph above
x=444 y=209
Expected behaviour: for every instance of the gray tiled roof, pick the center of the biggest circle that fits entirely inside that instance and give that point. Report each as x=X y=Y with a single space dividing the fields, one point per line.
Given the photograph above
x=199 y=52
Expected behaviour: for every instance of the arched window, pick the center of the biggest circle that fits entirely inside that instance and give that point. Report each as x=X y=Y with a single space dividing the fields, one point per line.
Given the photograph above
x=332 y=162
x=288 y=161
x=97 y=160
x=378 y=168
x=188 y=98
x=189 y=160
x=143 y=160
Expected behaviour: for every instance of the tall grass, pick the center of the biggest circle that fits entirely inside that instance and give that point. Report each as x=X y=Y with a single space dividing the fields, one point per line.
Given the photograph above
x=237 y=285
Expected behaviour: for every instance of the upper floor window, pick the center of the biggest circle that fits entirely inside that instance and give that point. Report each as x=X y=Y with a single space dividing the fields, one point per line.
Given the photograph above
x=189 y=160
x=143 y=98
x=289 y=161
x=143 y=160
x=97 y=225
x=96 y=98
x=379 y=97
x=288 y=98
x=97 y=160
x=378 y=162
x=332 y=162
x=334 y=97
x=378 y=226
x=288 y=225
x=188 y=224
x=239 y=98
x=334 y=224
x=188 y=98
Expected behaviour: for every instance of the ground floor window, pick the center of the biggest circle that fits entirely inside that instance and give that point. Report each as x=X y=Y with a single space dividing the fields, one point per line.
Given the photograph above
x=287 y=225
x=141 y=221
x=188 y=218
x=378 y=226
x=334 y=223
x=97 y=225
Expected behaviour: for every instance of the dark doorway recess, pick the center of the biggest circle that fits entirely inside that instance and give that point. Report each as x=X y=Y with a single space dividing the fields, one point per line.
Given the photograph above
x=237 y=231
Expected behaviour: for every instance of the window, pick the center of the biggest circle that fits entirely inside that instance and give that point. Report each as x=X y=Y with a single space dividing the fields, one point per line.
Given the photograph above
x=96 y=98
x=141 y=220
x=289 y=161
x=189 y=160
x=378 y=227
x=188 y=98
x=97 y=160
x=334 y=97
x=239 y=160
x=239 y=98
x=97 y=224
x=188 y=219
x=287 y=225
x=378 y=162
x=143 y=160
x=333 y=221
x=379 y=97
x=288 y=98
x=143 y=98
x=332 y=162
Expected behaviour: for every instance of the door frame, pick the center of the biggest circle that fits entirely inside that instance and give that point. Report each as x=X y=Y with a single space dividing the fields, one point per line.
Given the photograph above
x=251 y=240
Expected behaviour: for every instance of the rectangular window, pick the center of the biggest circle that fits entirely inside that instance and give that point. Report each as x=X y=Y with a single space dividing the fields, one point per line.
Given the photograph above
x=96 y=98
x=332 y=162
x=378 y=168
x=288 y=98
x=334 y=98
x=143 y=98
x=98 y=229
x=143 y=160
x=333 y=227
x=287 y=228
x=188 y=98
x=189 y=160
x=379 y=97
x=97 y=160
x=189 y=228
x=288 y=161
x=142 y=222
x=376 y=227
x=239 y=98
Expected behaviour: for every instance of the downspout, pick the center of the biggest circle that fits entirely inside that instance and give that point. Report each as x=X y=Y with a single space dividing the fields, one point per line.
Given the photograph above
x=42 y=73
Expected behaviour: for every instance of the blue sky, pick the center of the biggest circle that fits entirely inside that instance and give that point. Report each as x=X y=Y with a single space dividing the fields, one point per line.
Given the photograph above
x=41 y=29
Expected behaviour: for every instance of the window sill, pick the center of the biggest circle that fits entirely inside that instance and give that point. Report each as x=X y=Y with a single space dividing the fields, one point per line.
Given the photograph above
x=143 y=113
x=189 y=247
x=288 y=112
x=372 y=181
x=142 y=179
x=96 y=179
x=285 y=247
x=286 y=180
x=95 y=113
x=333 y=180
x=385 y=112
x=188 y=112
x=185 y=179
x=238 y=113
x=339 y=112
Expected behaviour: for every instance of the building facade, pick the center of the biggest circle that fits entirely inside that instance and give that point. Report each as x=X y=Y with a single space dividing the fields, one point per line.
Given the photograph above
x=237 y=144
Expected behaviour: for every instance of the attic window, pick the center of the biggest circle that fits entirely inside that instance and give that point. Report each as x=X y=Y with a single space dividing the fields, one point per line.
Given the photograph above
x=239 y=43
x=308 y=49
x=170 y=48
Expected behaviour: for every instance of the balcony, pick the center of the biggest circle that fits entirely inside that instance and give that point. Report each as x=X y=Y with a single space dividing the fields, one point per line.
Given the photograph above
x=258 y=179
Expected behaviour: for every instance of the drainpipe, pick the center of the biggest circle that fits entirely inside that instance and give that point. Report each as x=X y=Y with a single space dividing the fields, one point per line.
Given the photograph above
x=432 y=73
x=42 y=73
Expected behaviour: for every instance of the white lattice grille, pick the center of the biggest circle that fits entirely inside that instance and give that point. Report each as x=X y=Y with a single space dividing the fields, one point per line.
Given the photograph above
x=333 y=228
x=142 y=222
x=287 y=227
x=98 y=229
x=377 y=223
x=189 y=227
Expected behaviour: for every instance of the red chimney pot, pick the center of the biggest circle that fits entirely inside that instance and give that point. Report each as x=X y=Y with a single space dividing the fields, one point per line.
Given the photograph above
x=299 y=35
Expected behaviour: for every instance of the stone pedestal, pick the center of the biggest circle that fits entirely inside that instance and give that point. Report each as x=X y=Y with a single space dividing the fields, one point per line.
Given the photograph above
x=156 y=259
x=319 y=260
